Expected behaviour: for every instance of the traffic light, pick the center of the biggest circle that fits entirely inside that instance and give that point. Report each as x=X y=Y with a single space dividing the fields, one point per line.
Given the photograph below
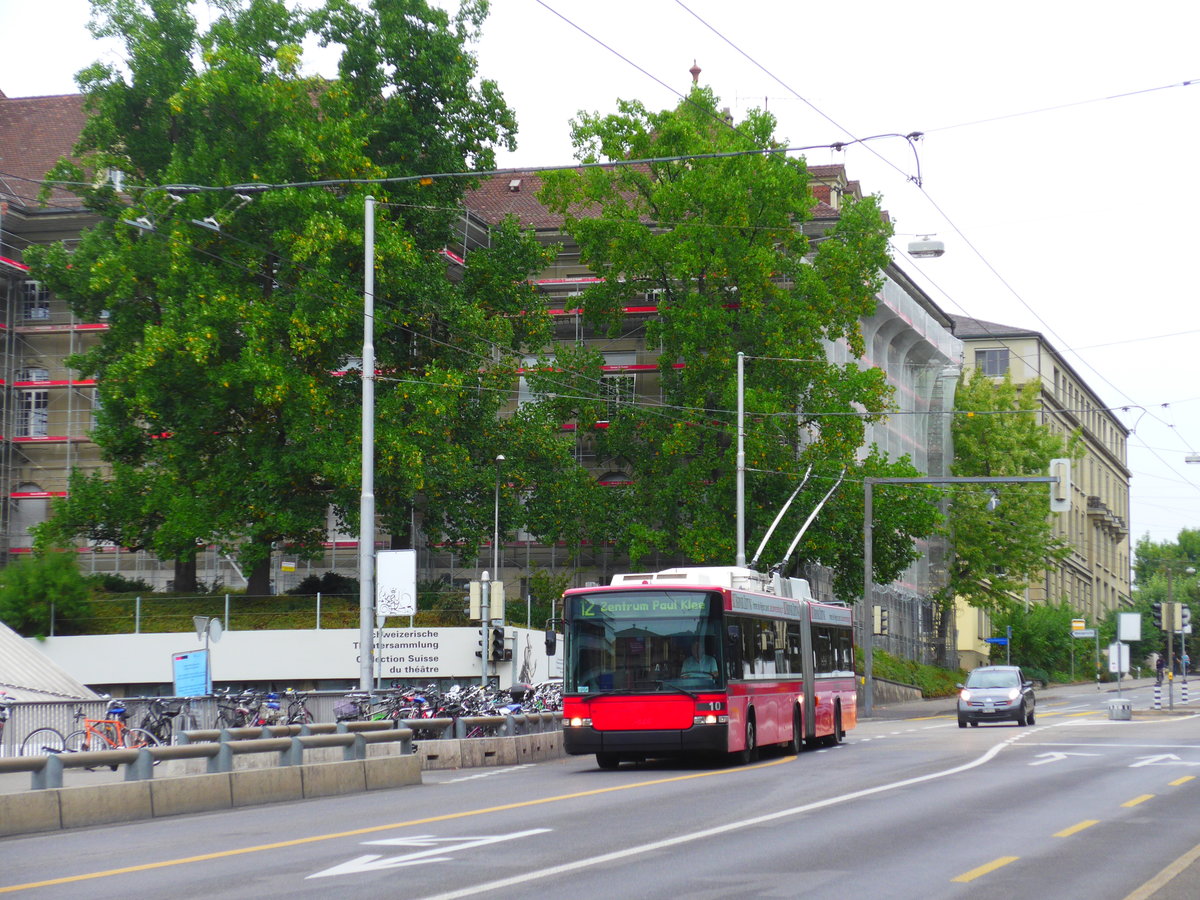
x=1156 y=612
x=497 y=645
x=482 y=633
x=881 y=620
x=1185 y=616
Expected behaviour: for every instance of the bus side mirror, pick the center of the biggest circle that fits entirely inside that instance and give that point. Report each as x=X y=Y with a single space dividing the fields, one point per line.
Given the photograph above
x=551 y=641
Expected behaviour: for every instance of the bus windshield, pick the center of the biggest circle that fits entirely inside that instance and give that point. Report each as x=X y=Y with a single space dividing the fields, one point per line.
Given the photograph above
x=661 y=640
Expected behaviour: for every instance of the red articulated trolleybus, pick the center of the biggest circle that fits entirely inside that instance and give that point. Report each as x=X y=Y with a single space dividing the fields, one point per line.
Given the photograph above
x=703 y=660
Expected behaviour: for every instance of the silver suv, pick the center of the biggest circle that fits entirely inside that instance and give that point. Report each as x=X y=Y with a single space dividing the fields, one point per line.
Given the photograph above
x=996 y=694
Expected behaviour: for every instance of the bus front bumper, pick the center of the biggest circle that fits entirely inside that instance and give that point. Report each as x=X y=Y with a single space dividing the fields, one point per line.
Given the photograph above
x=579 y=741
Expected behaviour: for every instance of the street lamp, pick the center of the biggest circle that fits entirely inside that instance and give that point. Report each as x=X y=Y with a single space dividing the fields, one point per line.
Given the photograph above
x=496 y=532
x=366 y=506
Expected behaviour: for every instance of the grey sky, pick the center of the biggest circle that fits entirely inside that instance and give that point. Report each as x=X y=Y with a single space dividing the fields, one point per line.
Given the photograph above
x=1083 y=214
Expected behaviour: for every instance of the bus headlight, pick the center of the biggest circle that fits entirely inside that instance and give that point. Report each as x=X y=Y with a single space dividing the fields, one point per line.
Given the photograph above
x=710 y=719
x=578 y=722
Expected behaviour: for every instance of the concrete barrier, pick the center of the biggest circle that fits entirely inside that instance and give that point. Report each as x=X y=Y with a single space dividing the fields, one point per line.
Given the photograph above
x=105 y=804
x=172 y=792
x=29 y=812
x=198 y=793
x=334 y=779
x=252 y=787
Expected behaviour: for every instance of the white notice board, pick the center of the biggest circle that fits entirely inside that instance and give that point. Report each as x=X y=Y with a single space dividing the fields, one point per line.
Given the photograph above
x=395 y=583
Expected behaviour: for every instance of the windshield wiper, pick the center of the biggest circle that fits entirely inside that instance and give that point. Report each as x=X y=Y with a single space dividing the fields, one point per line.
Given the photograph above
x=682 y=690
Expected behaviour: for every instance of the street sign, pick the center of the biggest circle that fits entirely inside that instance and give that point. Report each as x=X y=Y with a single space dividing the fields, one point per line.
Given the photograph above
x=995 y=640
x=1078 y=624
x=395 y=582
x=1129 y=626
x=1084 y=633
x=1118 y=658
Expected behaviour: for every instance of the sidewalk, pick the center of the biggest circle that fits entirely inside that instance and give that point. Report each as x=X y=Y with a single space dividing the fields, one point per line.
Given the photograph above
x=948 y=706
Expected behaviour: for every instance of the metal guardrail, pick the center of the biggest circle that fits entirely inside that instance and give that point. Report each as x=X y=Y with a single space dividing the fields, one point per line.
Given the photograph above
x=47 y=771
x=200 y=715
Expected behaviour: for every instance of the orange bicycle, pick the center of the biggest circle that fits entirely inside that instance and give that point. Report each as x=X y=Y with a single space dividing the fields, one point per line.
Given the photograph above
x=109 y=733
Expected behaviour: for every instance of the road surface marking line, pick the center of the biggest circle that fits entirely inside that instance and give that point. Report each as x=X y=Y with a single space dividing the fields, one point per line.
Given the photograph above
x=1155 y=884
x=374 y=829
x=984 y=869
x=1139 y=799
x=1094 y=712
x=554 y=870
x=566 y=868
x=1078 y=827
x=1178 y=781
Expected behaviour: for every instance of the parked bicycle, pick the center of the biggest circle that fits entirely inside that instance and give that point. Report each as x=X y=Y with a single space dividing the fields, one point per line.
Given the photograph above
x=235 y=710
x=159 y=718
x=109 y=733
x=42 y=742
x=298 y=712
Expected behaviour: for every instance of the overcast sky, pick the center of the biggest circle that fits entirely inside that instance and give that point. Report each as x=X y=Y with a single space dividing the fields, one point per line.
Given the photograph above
x=1059 y=163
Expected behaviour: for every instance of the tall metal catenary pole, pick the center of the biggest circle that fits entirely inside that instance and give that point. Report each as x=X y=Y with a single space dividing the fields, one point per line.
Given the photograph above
x=741 y=459
x=366 y=508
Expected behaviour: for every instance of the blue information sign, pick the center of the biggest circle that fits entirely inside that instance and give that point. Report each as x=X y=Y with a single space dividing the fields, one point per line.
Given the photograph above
x=191 y=674
x=995 y=640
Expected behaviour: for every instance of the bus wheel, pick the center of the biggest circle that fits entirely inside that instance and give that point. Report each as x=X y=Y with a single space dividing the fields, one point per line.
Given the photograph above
x=797 y=741
x=607 y=760
x=749 y=753
x=838 y=732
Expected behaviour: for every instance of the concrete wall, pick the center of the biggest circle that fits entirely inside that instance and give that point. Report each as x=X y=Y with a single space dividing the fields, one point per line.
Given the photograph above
x=183 y=786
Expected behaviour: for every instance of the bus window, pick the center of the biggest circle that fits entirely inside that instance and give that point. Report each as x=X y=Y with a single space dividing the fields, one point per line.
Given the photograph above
x=733 y=652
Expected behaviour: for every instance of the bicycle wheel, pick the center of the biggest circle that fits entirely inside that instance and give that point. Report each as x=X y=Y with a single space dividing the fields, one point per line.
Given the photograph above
x=42 y=742
x=79 y=740
x=138 y=738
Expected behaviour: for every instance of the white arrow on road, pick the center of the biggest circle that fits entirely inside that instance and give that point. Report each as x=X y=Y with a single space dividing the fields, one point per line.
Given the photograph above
x=1162 y=759
x=1044 y=758
x=377 y=863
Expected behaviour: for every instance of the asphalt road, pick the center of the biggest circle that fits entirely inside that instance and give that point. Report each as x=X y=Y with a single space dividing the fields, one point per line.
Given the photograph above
x=1077 y=806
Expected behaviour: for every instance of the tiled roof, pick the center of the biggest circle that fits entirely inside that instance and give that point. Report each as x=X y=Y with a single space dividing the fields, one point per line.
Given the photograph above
x=966 y=327
x=34 y=133
x=498 y=196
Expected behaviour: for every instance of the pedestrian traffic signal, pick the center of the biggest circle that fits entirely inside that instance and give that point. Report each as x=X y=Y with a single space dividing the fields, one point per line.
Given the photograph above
x=497 y=646
x=1156 y=612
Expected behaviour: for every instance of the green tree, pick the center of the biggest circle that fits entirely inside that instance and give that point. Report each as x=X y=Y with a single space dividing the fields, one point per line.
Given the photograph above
x=224 y=408
x=1160 y=574
x=719 y=241
x=1002 y=534
x=41 y=587
x=1041 y=640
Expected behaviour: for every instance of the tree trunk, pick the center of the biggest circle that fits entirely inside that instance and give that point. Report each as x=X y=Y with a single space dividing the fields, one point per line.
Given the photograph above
x=259 y=581
x=185 y=576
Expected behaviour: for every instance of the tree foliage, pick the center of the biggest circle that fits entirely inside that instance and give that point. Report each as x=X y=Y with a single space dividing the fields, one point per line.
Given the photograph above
x=1041 y=640
x=718 y=240
x=1160 y=574
x=1002 y=534
x=229 y=376
x=39 y=587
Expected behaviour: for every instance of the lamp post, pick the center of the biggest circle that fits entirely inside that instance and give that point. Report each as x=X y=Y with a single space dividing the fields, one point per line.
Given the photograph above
x=485 y=618
x=366 y=507
x=496 y=532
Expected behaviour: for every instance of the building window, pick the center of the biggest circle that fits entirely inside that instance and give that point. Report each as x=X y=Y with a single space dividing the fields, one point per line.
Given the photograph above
x=35 y=301
x=33 y=414
x=992 y=362
x=34 y=373
x=526 y=394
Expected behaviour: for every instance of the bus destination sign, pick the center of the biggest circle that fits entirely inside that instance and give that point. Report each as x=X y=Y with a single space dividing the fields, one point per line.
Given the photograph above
x=642 y=604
